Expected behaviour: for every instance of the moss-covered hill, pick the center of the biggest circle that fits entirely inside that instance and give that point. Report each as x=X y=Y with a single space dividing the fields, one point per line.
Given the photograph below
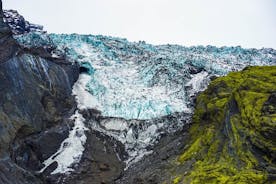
x=233 y=135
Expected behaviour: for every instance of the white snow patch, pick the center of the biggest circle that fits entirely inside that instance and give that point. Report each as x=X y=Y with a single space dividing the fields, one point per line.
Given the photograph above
x=71 y=148
x=136 y=157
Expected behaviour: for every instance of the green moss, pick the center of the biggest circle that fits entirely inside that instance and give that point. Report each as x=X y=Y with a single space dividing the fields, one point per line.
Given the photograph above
x=176 y=180
x=229 y=140
x=191 y=151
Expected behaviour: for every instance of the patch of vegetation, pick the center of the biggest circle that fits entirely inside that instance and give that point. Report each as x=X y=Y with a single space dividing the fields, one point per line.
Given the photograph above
x=233 y=135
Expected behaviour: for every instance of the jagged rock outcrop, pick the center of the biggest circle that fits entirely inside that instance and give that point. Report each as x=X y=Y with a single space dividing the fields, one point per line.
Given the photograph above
x=18 y=24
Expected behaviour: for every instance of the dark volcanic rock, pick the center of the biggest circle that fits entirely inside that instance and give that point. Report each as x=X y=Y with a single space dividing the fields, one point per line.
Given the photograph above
x=36 y=103
x=10 y=173
x=30 y=152
x=35 y=94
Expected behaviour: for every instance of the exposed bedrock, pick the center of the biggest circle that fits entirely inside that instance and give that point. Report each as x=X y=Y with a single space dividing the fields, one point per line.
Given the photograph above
x=18 y=23
x=36 y=104
x=35 y=94
x=102 y=160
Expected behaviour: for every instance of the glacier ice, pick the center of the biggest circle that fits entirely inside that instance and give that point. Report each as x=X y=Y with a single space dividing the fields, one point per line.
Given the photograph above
x=143 y=90
x=142 y=81
x=198 y=82
x=85 y=100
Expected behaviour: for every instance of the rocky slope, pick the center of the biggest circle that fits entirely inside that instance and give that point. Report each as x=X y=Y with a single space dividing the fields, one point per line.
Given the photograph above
x=8 y=45
x=96 y=109
x=35 y=95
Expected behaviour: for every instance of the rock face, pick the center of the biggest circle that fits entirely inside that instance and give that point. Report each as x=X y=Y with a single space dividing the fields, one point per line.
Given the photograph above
x=101 y=161
x=35 y=95
x=36 y=103
x=156 y=167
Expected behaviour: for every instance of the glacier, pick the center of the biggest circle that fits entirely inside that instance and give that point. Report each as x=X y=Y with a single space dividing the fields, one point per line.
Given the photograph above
x=142 y=91
x=142 y=81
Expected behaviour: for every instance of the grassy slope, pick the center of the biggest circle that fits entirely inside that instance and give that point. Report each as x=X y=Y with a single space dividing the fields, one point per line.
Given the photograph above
x=233 y=136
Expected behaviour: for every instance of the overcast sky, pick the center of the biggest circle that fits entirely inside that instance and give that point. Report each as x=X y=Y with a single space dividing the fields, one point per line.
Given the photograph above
x=249 y=23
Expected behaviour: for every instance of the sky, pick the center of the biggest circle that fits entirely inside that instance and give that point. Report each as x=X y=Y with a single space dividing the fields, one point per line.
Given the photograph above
x=248 y=23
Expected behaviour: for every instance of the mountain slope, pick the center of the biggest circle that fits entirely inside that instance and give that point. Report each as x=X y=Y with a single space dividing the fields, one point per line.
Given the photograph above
x=232 y=138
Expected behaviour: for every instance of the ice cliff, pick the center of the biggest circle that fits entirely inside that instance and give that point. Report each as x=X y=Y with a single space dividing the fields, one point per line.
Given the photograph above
x=143 y=81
